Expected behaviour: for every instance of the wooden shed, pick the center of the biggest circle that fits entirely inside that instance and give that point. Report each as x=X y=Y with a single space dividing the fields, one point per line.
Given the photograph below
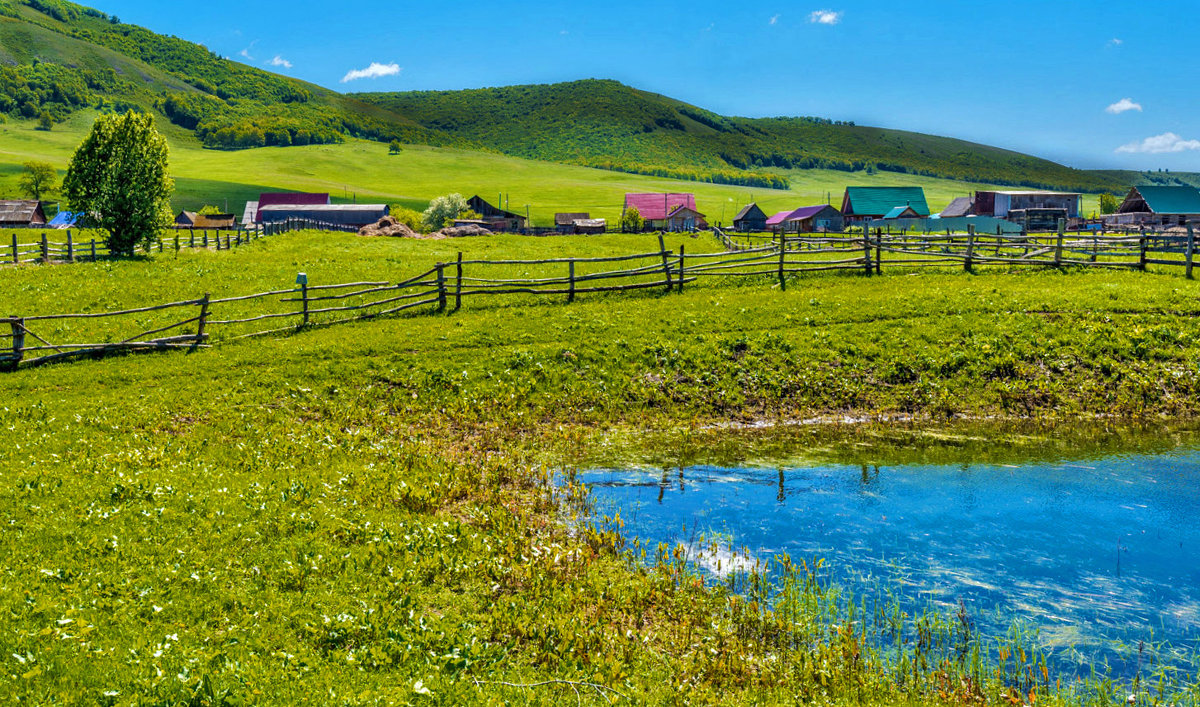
x=685 y=218
x=1158 y=207
x=565 y=222
x=497 y=220
x=750 y=219
x=185 y=219
x=1001 y=203
x=22 y=213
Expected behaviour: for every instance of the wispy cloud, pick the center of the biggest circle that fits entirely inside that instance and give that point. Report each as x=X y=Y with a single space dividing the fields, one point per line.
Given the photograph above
x=773 y=20
x=374 y=71
x=280 y=61
x=1123 y=105
x=1115 y=42
x=245 y=53
x=1159 y=144
x=825 y=17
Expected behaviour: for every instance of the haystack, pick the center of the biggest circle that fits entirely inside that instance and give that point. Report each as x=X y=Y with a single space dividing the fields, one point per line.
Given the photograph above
x=390 y=227
x=463 y=231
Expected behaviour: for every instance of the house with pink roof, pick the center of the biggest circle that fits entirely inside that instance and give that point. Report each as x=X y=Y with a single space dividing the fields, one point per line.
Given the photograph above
x=666 y=212
x=821 y=218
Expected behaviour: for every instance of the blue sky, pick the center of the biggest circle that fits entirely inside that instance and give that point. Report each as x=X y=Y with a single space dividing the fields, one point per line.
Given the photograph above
x=1094 y=84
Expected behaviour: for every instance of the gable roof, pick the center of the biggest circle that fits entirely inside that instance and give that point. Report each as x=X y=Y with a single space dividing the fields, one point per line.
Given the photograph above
x=877 y=201
x=656 y=207
x=22 y=211
x=186 y=218
x=292 y=199
x=961 y=206
x=567 y=219
x=801 y=213
x=899 y=211
x=213 y=221
x=749 y=211
x=1167 y=200
x=65 y=219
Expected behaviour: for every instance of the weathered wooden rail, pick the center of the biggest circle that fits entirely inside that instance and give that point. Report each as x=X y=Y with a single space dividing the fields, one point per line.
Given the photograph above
x=42 y=250
x=191 y=324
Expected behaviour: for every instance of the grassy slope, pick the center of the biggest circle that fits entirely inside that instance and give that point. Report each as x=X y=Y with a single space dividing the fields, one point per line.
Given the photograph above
x=351 y=510
x=421 y=173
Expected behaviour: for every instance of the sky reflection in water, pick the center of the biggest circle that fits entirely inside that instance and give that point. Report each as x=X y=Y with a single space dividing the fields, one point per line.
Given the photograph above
x=1094 y=553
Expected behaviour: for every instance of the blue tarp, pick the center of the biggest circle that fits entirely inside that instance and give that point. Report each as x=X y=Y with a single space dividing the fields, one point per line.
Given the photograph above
x=64 y=219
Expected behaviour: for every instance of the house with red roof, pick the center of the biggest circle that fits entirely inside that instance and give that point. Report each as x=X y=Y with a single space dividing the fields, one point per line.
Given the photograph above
x=666 y=212
x=253 y=208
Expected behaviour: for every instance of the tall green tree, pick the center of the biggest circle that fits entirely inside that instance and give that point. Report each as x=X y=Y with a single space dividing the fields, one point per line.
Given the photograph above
x=37 y=179
x=1109 y=203
x=118 y=176
x=632 y=221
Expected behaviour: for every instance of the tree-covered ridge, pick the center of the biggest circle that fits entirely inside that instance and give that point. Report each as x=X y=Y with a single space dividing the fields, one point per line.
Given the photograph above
x=606 y=124
x=229 y=105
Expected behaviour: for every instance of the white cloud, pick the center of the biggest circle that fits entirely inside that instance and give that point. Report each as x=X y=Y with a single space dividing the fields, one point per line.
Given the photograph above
x=280 y=61
x=1157 y=145
x=1114 y=42
x=825 y=17
x=374 y=71
x=1125 y=104
x=245 y=53
x=773 y=20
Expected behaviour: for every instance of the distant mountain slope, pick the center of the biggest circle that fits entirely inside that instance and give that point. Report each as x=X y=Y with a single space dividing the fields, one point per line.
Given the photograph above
x=607 y=124
x=58 y=57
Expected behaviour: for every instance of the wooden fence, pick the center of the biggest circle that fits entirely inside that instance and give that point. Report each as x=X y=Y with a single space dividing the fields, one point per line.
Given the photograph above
x=200 y=322
x=70 y=250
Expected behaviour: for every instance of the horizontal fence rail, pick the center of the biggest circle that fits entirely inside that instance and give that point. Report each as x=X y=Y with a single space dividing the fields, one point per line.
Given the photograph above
x=204 y=321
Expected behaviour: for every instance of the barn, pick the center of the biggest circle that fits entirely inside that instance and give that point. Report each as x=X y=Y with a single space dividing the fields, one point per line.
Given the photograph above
x=866 y=203
x=821 y=218
x=356 y=215
x=750 y=219
x=496 y=219
x=1034 y=210
x=656 y=208
x=253 y=208
x=21 y=214
x=1158 y=207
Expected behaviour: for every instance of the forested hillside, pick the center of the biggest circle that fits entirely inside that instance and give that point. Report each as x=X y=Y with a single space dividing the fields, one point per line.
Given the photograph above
x=607 y=124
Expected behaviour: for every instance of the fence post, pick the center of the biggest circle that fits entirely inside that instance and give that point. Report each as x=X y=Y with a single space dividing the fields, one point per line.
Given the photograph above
x=879 y=256
x=93 y=249
x=867 y=252
x=571 y=280
x=1191 y=251
x=970 y=247
x=177 y=242
x=1142 y=252
x=16 y=252
x=70 y=247
x=202 y=321
x=1058 y=242
x=458 y=283
x=18 y=340
x=441 y=286
x=204 y=235
x=681 y=268
x=304 y=298
x=160 y=244
x=662 y=249
x=782 y=252
x=45 y=249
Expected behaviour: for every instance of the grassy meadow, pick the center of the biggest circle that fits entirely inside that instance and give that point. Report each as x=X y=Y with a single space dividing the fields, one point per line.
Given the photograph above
x=365 y=171
x=364 y=514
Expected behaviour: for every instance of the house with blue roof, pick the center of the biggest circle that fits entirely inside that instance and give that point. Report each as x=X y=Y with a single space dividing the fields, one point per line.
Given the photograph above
x=1158 y=207
x=867 y=203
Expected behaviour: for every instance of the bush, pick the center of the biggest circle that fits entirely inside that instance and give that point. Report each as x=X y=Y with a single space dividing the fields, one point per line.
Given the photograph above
x=409 y=217
x=443 y=210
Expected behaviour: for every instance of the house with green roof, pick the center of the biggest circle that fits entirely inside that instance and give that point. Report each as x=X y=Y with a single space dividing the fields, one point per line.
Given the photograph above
x=864 y=203
x=1158 y=207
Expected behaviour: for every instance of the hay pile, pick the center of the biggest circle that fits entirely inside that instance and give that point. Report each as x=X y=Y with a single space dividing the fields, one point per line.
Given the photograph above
x=388 y=226
x=462 y=231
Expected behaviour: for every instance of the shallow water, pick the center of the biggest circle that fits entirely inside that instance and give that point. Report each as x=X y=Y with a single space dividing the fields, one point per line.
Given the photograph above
x=1098 y=555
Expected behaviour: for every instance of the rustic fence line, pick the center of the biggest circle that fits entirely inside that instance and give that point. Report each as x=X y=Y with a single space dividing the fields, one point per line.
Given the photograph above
x=71 y=250
x=24 y=343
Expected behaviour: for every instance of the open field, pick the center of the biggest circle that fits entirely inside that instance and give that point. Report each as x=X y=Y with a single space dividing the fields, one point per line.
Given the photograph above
x=359 y=512
x=364 y=170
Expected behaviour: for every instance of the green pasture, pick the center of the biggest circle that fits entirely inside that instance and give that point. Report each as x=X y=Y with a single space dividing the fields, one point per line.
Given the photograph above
x=361 y=514
x=365 y=171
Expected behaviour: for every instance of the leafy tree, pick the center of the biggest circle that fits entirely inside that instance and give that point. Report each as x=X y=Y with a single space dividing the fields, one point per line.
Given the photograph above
x=1109 y=203
x=209 y=209
x=395 y=148
x=118 y=176
x=45 y=121
x=632 y=221
x=442 y=210
x=37 y=179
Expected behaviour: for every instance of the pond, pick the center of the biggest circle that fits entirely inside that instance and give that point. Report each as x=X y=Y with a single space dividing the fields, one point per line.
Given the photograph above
x=1096 y=554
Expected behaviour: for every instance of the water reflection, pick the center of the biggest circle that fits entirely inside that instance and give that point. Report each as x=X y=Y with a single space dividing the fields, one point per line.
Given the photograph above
x=1099 y=555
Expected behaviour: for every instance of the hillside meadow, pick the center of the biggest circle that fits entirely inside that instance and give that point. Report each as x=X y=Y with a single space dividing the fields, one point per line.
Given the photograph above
x=372 y=513
x=364 y=170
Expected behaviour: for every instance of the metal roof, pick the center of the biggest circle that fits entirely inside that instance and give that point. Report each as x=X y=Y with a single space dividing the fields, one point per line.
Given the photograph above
x=803 y=212
x=749 y=211
x=251 y=213
x=566 y=219
x=1038 y=193
x=1169 y=200
x=960 y=206
x=65 y=219
x=277 y=198
x=877 y=201
x=320 y=208
x=898 y=211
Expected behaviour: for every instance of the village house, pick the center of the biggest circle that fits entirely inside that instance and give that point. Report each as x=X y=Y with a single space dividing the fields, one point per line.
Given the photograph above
x=1157 y=207
x=666 y=212
x=867 y=203
x=579 y=223
x=750 y=219
x=22 y=214
x=821 y=218
x=898 y=212
x=496 y=219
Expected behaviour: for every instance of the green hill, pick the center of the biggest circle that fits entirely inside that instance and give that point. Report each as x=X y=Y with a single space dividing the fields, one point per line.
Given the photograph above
x=57 y=58
x=607 y=124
